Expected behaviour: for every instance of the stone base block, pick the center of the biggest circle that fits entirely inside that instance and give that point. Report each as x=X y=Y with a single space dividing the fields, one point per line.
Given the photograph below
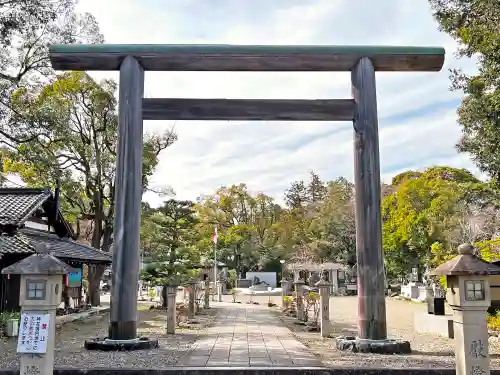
x=105 y=344
x=441 y=325
x=357 y=345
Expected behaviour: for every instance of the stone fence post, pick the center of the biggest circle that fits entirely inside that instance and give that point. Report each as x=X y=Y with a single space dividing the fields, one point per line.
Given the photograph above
x=284 y=284
x=219 y=291
x=198 y=290
x=171 y=308
x=191 y=299
x=289 y=287
x=207 y=294
x=324 y=300
x=299 y=292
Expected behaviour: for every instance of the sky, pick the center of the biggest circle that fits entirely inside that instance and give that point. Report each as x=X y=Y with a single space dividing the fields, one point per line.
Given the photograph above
x=417 y=112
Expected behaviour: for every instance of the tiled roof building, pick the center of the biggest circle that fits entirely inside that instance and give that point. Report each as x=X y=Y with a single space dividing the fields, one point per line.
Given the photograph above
x=30 y=219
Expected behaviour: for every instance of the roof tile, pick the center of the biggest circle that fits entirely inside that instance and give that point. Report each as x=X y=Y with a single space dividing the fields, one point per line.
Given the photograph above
x=26 y=240
x=16 y=244
x=17 y=204
x=64 y=248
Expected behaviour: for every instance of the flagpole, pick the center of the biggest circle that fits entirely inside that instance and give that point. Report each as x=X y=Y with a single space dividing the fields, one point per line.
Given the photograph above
x=215 y=268
x=215 y=240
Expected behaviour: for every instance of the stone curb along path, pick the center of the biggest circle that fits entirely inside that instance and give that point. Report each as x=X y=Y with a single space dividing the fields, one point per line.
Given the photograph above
x=248 y=335
x=64 y=319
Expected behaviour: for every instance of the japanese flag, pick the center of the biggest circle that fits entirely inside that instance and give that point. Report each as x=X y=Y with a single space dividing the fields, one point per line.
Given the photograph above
x=215 y=236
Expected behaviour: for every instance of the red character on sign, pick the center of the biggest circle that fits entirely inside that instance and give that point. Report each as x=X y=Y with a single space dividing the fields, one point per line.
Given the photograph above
x=44 y=326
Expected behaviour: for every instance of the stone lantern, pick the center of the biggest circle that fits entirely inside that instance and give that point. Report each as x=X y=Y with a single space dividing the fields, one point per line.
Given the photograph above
x=468 y=294
x=40 y=293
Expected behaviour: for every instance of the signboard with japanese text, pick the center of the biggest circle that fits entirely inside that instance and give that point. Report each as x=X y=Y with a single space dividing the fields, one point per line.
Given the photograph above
x=75 y=279
x=33 y=332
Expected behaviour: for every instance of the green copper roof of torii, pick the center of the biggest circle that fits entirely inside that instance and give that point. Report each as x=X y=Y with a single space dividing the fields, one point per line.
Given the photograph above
x=244 y=49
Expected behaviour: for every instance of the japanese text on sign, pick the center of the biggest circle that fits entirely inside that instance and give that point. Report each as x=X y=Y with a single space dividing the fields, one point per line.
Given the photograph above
x=33 y=333
x=477 y=370
x=477 y=349
x=31 y=370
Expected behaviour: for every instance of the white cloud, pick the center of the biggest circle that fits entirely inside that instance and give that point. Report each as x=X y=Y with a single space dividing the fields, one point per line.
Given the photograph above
x=417 y=112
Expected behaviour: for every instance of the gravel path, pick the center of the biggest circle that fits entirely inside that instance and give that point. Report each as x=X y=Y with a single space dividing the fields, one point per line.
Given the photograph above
x=428 y=350
x=70 y=338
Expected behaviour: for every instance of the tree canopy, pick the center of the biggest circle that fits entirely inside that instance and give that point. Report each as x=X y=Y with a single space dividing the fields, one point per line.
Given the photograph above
x=167 y=240
x=62 y=128
x=474 y=25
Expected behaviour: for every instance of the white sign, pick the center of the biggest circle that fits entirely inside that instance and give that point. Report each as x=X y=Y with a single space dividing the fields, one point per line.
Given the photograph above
x=33 y=333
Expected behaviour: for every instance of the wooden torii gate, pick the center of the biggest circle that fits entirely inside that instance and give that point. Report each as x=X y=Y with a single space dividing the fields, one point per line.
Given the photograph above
x=133 y=60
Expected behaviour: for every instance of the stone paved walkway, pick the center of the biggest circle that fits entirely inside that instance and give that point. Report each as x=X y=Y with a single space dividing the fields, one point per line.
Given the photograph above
x=248 y=335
